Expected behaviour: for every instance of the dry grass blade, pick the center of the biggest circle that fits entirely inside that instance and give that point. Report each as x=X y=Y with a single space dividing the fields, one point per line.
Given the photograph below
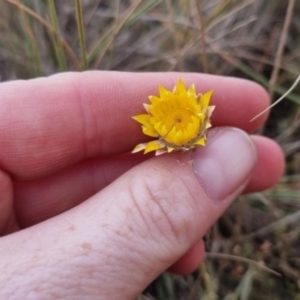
x=172 y=28
x=242 y=259
x=51 y=30
x=243 y=290
x=220 y=18
x=283 y=38
x=32 y=41
x=228 y=57
x=116 y=31
x=219 y=9
x=280 y=99
x=291 y=129
x=203 y=41
x=92 y=13
x=207 y=283
x=289 y=219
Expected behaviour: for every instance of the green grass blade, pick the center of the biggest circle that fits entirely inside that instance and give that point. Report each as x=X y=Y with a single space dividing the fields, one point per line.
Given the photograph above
x=102 y=44
x=264 y=81
x=30 y=43
x=259 y=78
x=51 y=30
x=144 y=9
x=80 y=27
x=59 y=51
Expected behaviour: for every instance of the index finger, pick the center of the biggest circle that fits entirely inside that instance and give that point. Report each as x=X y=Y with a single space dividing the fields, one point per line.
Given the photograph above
x=47 y=124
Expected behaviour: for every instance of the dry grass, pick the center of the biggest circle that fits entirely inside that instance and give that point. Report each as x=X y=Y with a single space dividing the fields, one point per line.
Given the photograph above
x=256 y=39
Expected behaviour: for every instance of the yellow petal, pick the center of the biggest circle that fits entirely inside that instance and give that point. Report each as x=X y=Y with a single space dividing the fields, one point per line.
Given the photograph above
x=143 y=119
x=162 y=91
x=154 y=99
x=205 y=98
x=191 y=90
x=149 y=130
x=180 y=87
x=154 y=145
x=200 y=142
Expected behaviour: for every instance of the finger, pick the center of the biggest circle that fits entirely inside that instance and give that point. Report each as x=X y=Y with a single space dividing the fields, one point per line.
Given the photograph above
x=62 y=191
x=190 y=261
x=49 y=123
x=39 y=200
x=113 y=245
x=268 y=170
x=269 y=167
x=6 y=204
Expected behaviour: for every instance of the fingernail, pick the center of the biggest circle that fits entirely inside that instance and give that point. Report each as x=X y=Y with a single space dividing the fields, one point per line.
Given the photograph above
x=225 y=163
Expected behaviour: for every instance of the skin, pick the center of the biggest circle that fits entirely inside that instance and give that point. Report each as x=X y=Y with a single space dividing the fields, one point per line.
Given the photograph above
x=67 y=137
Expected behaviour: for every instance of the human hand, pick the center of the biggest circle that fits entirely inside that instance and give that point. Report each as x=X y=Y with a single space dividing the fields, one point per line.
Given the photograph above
x=107 y=222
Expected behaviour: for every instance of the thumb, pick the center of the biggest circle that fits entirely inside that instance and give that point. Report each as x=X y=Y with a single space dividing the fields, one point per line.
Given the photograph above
x=114 y=244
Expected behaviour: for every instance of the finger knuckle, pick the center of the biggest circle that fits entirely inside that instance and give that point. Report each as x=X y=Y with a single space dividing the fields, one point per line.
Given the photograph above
x=164 y=203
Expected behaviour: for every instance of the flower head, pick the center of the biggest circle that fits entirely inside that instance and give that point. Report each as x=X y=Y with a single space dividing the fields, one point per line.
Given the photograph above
x=178 y=119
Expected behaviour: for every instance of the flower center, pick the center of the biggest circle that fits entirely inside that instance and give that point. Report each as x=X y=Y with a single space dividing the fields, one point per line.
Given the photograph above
x=178 y=127
x=178 y=118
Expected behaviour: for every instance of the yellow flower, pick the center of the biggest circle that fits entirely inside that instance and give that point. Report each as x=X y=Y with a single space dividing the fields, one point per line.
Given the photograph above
x=178 y=119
